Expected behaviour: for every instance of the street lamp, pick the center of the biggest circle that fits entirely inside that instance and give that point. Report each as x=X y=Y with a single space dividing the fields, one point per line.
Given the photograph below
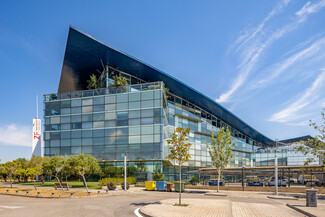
x=276 y=166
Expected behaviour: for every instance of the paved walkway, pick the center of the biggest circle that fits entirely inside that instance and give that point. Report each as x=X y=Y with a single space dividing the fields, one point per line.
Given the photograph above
x=220 y=208
x=318 y=211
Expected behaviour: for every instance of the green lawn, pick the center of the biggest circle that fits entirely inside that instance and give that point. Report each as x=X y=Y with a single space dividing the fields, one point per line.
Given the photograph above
x=91 y=185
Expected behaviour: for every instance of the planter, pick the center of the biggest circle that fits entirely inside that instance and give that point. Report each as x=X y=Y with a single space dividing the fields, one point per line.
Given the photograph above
x=161 y=185
x=177 y=186
x=150 y=185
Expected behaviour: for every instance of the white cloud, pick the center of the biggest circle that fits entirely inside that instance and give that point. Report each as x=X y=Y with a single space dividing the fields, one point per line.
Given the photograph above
x=309 y=8
x=17 y=135
x=294 y=59
x=310 y=95
x=254 y=43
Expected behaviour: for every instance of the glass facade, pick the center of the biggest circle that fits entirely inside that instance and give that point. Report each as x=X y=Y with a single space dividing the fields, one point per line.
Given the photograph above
x=106 y=123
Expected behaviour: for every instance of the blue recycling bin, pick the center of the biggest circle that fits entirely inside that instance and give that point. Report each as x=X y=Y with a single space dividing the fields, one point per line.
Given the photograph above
x=161 y=185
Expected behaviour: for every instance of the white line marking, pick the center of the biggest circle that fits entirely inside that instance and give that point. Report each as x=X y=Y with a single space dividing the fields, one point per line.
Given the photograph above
x=11 y=207
x=136 y=212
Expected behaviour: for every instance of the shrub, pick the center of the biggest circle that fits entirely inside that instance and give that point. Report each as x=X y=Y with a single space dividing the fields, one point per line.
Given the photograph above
x=127 y=184
x=158 y=177
x=194 y=180
x=116 y=181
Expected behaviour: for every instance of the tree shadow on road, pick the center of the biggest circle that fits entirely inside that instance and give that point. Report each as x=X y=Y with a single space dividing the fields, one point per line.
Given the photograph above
x=144 y=204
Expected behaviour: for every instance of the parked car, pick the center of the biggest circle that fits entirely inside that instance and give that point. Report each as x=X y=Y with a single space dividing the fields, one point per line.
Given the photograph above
x=304 y=179
x=281 y=182
x=293 y=180
x=254 y=181
x=214 y=182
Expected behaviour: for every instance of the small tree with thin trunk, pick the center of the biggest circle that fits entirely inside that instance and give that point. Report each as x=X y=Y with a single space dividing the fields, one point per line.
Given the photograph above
x=57 y=166
x=11 y=168
x=33 y=172
x=179 y=151
x=220 y=151
x=83 y=165
x=316 y=146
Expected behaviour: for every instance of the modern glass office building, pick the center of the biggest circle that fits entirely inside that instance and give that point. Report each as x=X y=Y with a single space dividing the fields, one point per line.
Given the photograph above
x=137 y=119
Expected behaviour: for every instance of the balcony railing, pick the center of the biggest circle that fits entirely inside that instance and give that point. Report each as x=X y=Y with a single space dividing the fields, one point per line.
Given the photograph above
x=104 y=91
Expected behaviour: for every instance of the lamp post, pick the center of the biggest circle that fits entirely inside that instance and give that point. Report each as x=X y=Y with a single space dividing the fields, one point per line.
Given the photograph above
x=276 y=166
x=125 y=173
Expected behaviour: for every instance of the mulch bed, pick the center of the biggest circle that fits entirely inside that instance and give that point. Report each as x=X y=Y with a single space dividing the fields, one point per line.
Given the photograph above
x=45 y=193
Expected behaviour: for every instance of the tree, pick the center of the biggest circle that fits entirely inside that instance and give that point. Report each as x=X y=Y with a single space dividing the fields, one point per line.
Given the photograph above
x=10 y=168
x=46 y=168
x=56 y=166
x=23 y=165
x=33 y=172
x=179 y=151
x=83 y=165
x=37 y=162
x=92 y=82
x=141 y=165
x=315 y=146
x=220 y=150
x=120 y=82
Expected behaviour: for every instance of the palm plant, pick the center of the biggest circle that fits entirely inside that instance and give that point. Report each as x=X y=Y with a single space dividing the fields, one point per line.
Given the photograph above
x=92 y=82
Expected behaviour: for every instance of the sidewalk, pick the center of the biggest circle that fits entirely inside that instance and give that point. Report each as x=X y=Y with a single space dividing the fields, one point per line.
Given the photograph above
x=218 y=208
x=318 y=211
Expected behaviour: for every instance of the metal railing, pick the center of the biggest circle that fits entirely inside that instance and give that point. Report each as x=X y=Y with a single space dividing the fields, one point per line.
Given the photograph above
x=104 y=91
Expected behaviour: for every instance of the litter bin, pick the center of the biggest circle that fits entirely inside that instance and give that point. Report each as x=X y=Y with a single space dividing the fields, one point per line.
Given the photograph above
x=161 y=185
x=311 y=197
x=150 y=185
x=177 y=186
x=169 y=186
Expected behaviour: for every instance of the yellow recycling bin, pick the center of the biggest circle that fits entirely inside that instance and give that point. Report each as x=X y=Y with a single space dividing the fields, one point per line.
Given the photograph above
x=150 y=185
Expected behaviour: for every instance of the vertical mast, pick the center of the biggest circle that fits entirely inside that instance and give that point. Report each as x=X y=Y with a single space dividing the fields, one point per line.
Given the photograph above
x=36 y=106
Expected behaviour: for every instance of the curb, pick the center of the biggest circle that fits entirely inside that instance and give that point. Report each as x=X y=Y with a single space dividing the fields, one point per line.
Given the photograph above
x=300 y=210
x=19 y=195
x=282 y=198
x=216 y=194
x=143 y=214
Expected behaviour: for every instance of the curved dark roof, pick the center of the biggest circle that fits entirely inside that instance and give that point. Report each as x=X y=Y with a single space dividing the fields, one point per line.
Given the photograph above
x=83 y=56
x=297 y=139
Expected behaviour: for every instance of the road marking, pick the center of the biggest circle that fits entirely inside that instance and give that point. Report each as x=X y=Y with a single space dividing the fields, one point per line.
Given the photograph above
x=136 y=212
x=11 y=207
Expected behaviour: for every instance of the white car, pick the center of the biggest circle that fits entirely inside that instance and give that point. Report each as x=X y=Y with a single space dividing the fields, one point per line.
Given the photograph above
x=281 y=182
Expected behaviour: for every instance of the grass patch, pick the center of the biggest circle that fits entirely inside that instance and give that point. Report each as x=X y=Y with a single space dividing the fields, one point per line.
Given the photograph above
x=91 y=185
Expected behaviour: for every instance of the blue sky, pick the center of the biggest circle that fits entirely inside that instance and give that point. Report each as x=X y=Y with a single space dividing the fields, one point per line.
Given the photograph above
x=263 y=60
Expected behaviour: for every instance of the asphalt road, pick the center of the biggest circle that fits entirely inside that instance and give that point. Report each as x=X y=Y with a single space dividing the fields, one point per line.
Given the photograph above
x=118 y=205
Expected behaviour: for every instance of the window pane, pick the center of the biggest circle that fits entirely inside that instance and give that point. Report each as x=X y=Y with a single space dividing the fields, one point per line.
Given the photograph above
x=110 y=115
x=146 y=95
x=87 y=109
x=99 y=100
x=75 y=102
x=86 y=102
x=122 y=98
x=122 y=115
x=110 y=99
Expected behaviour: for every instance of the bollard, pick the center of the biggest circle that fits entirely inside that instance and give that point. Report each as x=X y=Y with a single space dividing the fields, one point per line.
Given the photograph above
x=98 y=192
x=52 y=194
x=71 y=194
x=88 y=193
x=106 y=191
x=7 y=191
x=16 y=191
x=27 y=193
x=38 y=194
